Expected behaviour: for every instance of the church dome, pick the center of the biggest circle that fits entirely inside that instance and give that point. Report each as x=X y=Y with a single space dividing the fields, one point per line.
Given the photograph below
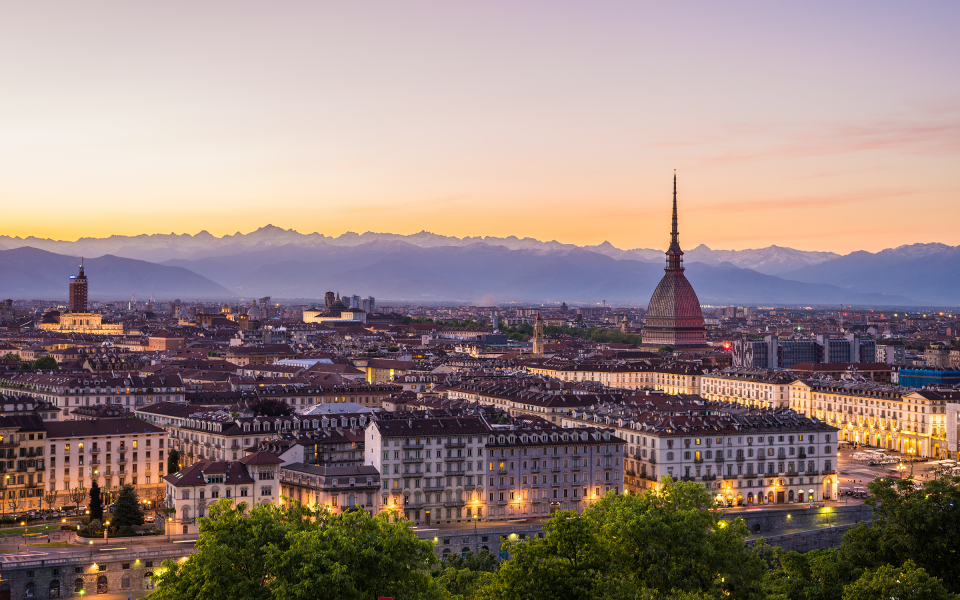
x=675 y=299
x=674 y=317
x=253 y=312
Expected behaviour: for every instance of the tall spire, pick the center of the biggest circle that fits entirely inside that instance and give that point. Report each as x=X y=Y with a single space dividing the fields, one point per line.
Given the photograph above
x=674 y=253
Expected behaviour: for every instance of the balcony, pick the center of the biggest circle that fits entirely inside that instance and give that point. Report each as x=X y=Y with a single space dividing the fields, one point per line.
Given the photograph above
x=731 y=476
x=123 y=460
x=434 y=486
x=412 y=475
x=653 y=459
x=412 y=446
x=557 y=469
x=449 y=503
x=94 y=450
x=741 y=459
x=454 y=444
x=709 y=478
x=719 y=457
x=412 y=459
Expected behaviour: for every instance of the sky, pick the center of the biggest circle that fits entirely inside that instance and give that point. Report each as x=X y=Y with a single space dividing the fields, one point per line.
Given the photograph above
x=815 y=125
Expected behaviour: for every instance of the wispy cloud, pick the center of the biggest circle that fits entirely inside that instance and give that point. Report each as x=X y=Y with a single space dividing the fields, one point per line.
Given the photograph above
x=934 y=132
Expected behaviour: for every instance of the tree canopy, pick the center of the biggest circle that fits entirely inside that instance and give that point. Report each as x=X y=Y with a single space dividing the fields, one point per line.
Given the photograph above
x=296 y=553
x=46 y=363
x=127 y=511
x=666 y=544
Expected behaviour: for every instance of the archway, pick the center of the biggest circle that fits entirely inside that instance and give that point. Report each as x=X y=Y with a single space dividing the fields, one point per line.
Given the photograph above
x=54 y=590
x=102 y=584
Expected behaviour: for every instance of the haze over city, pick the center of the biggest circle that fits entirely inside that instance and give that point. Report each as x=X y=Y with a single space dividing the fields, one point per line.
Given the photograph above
x=824 y=127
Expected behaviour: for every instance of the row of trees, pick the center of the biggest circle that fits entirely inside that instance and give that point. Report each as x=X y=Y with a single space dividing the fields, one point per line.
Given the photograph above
x=661 y=545
x=44 y=362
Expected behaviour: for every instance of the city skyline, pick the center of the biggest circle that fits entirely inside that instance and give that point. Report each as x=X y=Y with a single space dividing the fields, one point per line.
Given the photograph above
x=821 y=129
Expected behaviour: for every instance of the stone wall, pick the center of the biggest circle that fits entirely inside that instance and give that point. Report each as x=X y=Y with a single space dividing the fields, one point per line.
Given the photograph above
x=768 y=522
x=121 y=573
x=804 y=541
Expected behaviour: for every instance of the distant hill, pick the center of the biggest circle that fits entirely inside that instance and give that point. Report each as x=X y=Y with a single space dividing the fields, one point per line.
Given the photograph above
x=484 y=273
x=426 y=267
x=32 y=273
x=163 y=247
x=925 y=271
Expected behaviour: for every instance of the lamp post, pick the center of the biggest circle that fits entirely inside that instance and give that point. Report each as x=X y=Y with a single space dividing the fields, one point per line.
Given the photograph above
x=106 y=531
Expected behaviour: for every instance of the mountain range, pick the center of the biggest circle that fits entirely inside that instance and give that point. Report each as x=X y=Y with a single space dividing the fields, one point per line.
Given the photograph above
x=426 y=267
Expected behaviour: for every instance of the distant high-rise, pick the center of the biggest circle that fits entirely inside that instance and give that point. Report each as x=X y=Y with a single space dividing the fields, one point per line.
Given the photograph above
x=673 y=316
x=77 y=301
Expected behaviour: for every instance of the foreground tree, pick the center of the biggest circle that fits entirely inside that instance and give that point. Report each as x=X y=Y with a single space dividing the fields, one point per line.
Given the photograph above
x=907 y=582
x=663 y=542
x=295 y=553
x=922 y=525
x=814 y=575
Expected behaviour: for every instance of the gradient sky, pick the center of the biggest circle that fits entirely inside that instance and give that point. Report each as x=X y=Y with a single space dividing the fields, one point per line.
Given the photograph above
x=816 y=125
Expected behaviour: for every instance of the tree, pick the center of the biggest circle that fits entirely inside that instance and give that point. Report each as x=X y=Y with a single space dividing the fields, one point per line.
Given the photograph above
x=11 y=356
x=46 y=363
x=77 y=495
x=269 y=407
x=483 y=561
x=173 y=461
x=665 y=349
x=127 y=511
x=96 y=502
x=296 y=553
x=628 y=545
x=50 y=499
x=910 y=524
x=815 y=575
x=907 y=582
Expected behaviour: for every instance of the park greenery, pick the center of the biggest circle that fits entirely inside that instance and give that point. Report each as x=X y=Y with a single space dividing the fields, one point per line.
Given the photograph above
x=524 y=330
x=666 y=544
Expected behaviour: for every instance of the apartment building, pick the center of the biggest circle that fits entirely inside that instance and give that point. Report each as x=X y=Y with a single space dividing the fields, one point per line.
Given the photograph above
x=335 y=488
x=518 y=399
x=669 y=377
x=191 y=492
x=114 y=452
x=431 y=469
x=534 y=472
x=70 y=391
x=222 y=435
x=873 y=414
x=756 y=388
x=743 y=457
x=22 y=455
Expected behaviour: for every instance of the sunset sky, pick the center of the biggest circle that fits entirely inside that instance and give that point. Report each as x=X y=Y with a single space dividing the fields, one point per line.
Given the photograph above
x=815 y=125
